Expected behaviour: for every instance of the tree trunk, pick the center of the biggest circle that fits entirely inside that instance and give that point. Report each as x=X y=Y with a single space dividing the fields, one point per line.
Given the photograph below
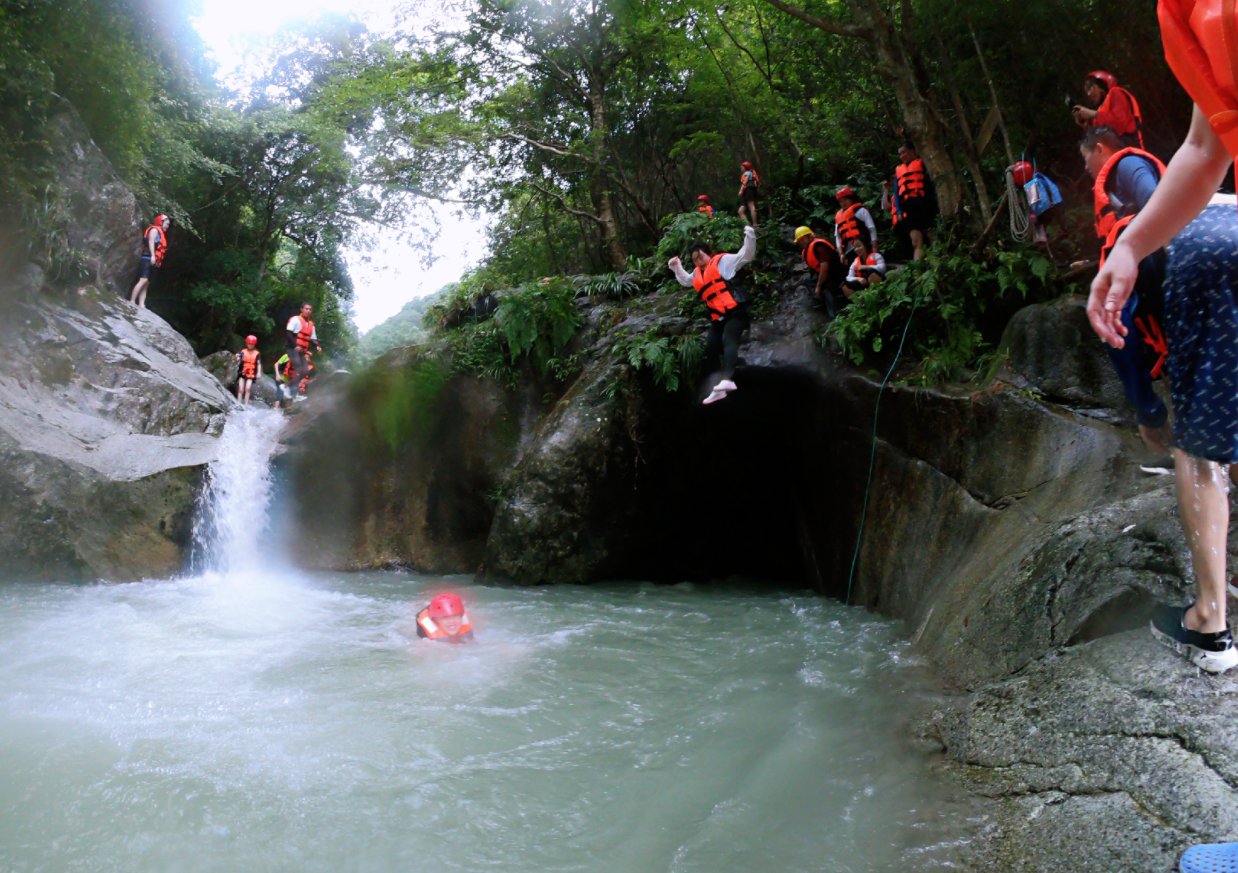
x=603 y=199
x=923 y=128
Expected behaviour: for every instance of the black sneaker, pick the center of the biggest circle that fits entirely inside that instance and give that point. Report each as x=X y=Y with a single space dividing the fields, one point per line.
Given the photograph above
x=1212 y=652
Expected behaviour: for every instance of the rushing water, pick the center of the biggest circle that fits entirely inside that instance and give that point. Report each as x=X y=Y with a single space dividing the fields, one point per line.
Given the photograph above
x=252 y=718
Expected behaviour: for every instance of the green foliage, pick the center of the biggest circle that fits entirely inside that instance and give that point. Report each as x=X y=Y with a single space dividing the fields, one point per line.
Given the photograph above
x=723 y=233
x=961 y=305
x=405 y=328
x=672 y=360
x=538 y=321
x=402 y=399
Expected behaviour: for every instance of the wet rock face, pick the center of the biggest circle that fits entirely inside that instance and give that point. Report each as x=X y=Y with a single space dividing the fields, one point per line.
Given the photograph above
x=224 y=367
x=106 y=416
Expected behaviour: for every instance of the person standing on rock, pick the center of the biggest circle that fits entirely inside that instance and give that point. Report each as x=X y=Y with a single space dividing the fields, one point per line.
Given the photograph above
x=914 y=207
x=850 y=218
x=749 y=191
x=154 y=245
x=1125 y=180
x=1201 y=321
x=301 y=334
x=285 y=375
x=822 y=259
x=249 y=368
x=714 y=280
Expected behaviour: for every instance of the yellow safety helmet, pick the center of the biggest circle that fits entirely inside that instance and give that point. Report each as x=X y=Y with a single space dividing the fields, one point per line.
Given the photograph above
x=801 y=232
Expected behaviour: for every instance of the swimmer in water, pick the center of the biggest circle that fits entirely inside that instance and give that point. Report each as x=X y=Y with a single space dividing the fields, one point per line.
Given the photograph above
x=444 y=621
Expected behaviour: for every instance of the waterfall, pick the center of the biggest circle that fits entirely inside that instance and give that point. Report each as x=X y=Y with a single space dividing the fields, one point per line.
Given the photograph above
x=233 y=510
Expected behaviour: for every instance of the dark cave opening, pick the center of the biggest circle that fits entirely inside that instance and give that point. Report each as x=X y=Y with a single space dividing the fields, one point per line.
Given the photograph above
x=761 y=485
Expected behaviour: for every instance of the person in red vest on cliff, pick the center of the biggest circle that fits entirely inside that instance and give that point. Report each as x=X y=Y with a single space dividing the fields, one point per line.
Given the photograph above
x=703 y=206
x=445 y=621
x=1201 y=314
x=249 y=363
x=714 y=279
x=851 y=218
x=1115 y=109
x=301 y=334
x=749 y=191
x=154 y=245
x=915 y=203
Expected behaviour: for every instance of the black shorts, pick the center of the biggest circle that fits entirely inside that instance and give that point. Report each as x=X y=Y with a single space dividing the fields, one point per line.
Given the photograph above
x=919 y=213
x=146 y=270
x=750 y=196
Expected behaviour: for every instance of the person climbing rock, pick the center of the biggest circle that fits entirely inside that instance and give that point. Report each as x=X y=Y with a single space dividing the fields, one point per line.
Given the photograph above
x=301 y=334
x=915 y=205
x=311 y=373
x=1043 y=197
x=154 y=246
x=1115 y=109
x=444 y=621
x=703 y=206
x=823 y=261
x=868 y=268
x=1201 y=320
x=249 y=363
x=851 y=216
x=1124 y=181
x=749 y=191
x=714 y=280
x=285 y=377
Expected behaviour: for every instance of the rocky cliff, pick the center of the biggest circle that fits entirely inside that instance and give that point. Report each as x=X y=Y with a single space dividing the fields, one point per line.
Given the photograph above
x=106 y=417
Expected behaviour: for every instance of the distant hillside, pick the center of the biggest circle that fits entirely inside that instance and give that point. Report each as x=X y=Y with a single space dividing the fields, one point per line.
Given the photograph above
x=402 y=329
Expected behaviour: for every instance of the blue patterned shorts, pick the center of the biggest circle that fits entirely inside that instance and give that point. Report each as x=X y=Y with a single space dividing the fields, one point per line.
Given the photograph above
x=1201 y=330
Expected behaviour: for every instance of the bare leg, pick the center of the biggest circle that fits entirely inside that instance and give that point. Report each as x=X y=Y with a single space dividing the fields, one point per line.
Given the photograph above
x=1203 y=505
x=917 y=243
x=139 y=288
x=240 y=390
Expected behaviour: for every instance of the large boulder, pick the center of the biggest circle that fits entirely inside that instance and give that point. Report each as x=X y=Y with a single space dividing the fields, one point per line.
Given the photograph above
x=223 y=366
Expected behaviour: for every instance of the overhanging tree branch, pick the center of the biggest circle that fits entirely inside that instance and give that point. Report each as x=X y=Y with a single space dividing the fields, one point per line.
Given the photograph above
x=563 y=203
x=829 y=26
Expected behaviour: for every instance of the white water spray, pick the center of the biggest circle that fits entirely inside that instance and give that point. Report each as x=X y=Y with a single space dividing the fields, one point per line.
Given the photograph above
x=234 y=510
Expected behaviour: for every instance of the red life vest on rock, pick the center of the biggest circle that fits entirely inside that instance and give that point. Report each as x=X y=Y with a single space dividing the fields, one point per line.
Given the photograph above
x=306 y=335
x=910 y=179
x=160 y=247
x=249 y=363
x=810 y=257
x=846 y=222
x=432 y=631
x=719 y=295
x=1108 y=226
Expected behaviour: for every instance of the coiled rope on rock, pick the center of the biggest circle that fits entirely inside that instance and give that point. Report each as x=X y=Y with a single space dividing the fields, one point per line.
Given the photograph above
x=1020 y=212
x=872 y=458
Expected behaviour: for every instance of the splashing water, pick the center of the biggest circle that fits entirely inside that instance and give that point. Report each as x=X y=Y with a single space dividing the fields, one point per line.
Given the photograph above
x=234 y=509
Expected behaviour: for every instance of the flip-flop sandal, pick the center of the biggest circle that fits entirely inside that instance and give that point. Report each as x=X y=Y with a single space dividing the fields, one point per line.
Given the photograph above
x=1210 y=858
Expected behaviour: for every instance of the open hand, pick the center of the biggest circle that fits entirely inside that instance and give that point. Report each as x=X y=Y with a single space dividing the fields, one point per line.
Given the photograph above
x=1110 y=290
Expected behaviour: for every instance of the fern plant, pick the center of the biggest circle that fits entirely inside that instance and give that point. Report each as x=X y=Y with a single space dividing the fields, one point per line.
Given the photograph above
x=672 y=360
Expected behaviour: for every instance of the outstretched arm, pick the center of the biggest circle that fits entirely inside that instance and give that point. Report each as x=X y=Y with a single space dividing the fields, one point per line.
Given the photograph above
x=732 y=264
x=1190 y=181
x=680 y=273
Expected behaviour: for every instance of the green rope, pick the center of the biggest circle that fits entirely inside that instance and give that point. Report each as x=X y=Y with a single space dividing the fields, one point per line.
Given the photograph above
x=872 y=458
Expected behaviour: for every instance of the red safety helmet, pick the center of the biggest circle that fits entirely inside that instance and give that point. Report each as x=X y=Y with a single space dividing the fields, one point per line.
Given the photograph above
x=251 y=340
x=1109 y=80
x=746 y=165
x=704 y=197
x=445 y=605
x=1023 y=172
x=844 y=191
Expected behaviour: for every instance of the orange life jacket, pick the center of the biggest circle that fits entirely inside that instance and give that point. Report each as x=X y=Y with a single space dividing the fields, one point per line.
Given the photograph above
x=249 y=363
x=743 y=182
x=846 y=222
x=306 y=336
x=810 y=257
x=910 y=179
x=870 y=261
x=1138 y=131
x=434 y=632
x=708 y=210
x=160 y=247
x=719 y=295
x=1205 y=59
x=1108 y=226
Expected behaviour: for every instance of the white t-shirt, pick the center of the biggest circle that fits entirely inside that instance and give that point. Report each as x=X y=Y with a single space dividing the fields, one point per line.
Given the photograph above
x=730 y=264
x=294 y=327
x=865 y=217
